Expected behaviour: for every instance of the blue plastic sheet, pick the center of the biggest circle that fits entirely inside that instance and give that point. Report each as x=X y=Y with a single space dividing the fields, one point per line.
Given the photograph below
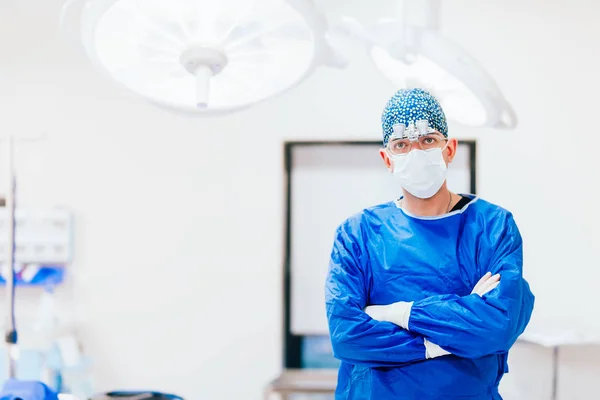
x=26 y=390
x=47 y=275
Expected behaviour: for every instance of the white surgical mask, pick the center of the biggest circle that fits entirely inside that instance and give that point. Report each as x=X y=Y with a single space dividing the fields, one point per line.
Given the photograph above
x=421 y=173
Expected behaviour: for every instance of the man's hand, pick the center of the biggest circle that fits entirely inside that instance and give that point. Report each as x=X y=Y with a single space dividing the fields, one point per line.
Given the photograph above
x=396 y=313
x=486 y=284
x=432 y=350
x=399 y=313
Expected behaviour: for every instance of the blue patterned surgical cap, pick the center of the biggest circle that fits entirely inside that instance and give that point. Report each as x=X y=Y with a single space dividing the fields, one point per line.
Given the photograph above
x=409 y=106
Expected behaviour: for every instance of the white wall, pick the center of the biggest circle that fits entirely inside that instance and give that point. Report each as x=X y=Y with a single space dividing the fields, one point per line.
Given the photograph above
x=169 y=203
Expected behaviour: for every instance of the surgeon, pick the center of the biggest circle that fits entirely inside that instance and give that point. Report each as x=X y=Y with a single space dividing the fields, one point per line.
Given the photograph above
x=425 y=294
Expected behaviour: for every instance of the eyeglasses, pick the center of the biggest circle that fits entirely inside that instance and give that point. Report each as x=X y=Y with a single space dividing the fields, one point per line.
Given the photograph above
x=428 y=142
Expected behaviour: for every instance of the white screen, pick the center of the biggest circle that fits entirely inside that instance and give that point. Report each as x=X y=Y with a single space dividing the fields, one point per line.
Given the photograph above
x=329 y=183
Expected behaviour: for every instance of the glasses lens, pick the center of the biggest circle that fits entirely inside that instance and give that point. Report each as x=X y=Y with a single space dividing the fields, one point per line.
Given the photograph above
x=432 y=141
x=399 y=146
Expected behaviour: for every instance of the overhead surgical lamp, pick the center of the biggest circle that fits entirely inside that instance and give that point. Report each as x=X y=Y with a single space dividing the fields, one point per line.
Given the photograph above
x=412 y=52
x=202 y=55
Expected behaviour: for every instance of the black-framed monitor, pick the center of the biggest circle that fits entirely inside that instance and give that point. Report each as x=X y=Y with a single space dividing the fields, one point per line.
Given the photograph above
x=326 y=183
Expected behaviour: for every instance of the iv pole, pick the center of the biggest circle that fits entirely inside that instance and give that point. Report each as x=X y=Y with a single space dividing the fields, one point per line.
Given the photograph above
x=11 y=332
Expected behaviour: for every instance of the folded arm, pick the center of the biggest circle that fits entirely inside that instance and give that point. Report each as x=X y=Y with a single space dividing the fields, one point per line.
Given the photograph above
x=477 y=325
x=356 y=337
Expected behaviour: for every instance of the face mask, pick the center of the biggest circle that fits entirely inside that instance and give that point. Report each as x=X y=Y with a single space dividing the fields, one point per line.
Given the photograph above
x=421 y=173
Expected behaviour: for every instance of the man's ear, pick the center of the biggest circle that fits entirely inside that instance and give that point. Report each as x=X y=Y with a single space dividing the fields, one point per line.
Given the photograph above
x=386 y=159
x=451 y=148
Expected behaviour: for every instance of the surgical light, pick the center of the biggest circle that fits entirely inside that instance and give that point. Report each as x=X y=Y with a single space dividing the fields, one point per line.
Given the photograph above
x=411 y=52
x=202 y=55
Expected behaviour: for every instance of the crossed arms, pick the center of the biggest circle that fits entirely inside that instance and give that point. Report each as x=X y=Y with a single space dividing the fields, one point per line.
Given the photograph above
x=472 y=326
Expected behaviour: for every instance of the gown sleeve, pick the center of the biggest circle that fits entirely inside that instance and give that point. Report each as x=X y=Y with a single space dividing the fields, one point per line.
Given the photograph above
x=474 y=326
x=357 y=338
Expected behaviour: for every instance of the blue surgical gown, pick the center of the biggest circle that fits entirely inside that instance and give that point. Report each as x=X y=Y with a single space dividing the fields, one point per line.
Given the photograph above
x=384 y=255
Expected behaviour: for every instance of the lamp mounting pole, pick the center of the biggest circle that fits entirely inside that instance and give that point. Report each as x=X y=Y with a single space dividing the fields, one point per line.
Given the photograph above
x=11 y=332
x=421 y=13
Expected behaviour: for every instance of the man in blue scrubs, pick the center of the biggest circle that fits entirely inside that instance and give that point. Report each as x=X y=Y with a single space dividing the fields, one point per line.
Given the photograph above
x=425 y=294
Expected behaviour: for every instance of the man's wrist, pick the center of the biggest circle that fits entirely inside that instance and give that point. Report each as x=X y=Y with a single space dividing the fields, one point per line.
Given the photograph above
x=399 y=313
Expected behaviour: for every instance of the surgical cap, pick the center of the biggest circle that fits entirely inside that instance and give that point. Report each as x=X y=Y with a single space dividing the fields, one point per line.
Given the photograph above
x=409 y=106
